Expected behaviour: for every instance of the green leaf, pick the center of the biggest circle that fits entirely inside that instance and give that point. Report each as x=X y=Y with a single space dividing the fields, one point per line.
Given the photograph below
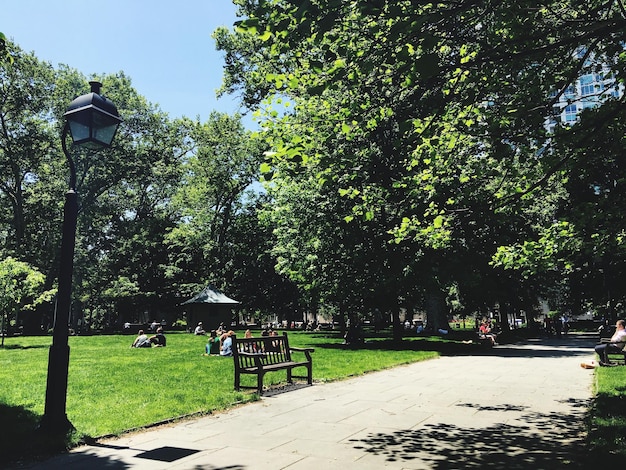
x=247 y=26
x=316 y=66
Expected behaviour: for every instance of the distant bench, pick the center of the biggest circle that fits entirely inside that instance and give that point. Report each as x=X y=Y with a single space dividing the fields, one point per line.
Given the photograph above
x=258 y=356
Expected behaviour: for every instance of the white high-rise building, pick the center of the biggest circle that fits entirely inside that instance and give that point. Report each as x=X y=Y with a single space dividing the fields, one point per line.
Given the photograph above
x=589 y=91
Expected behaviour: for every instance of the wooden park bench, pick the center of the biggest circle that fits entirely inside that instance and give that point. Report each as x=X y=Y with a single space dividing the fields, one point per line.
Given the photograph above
x=258 y=356
x=615 y=357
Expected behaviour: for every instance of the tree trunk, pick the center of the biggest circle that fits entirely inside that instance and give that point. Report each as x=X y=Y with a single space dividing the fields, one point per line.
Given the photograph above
x=397 y=325
x=342 y=319
x=436 y=310
x=505 y=311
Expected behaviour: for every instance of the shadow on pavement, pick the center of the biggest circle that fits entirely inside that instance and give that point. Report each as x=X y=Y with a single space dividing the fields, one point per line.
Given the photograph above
x=502 y=446
x=566 y=345
x=75 y=461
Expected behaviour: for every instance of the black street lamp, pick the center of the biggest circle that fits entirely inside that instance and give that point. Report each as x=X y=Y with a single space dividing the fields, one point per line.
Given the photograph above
x=92 y=121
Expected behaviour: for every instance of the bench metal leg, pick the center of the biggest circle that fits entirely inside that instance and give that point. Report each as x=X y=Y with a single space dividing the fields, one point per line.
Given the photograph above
x=259 y=382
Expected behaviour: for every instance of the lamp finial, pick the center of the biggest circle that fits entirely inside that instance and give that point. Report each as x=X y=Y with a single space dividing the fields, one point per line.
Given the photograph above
x=95 y=86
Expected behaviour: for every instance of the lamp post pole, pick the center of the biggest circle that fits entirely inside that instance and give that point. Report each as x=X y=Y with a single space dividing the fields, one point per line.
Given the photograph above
x=92 y=121
x=55 y=417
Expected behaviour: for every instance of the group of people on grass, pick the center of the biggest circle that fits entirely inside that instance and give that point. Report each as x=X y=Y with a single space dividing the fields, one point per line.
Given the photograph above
x=143 y=341
x=220 y=341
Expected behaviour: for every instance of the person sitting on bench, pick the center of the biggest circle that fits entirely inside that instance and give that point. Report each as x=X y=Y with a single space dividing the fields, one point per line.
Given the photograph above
x=485 y=332
x=614 y=345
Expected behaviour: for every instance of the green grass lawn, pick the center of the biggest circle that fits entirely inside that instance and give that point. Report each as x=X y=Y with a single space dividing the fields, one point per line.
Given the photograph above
x=607 y=417
x=113 y=388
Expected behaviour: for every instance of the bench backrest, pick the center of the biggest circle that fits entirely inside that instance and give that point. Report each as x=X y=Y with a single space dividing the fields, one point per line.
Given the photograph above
x=275 y=349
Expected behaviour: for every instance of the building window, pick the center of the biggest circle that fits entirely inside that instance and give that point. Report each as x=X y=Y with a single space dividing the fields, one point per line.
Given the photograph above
x=570 y=113
x=588 y=85
x=588 y=104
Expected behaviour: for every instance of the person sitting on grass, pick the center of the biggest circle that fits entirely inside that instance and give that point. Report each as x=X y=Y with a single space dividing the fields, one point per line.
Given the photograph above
x=614 y=345
x=249 y=347
x=158 y=339
x=199 y=330
x=141 y=341
x=354 y=333
x=227 y=343
x=212 y=347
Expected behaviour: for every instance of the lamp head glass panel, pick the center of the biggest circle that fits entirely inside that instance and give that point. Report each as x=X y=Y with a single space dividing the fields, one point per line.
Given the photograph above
x=92 y=119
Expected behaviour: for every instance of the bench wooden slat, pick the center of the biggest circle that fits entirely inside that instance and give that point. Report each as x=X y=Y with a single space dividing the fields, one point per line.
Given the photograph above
x=268 y=354
x=621 y=355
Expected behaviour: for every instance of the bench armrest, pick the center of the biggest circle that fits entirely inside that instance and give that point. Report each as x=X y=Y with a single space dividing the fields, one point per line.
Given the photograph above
x=307 y=352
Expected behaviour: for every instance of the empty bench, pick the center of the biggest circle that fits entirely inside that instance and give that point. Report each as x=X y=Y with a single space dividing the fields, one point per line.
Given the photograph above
x=258 y=356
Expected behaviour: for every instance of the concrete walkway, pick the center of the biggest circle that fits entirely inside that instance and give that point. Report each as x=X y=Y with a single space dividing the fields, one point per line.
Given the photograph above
x=515 y=407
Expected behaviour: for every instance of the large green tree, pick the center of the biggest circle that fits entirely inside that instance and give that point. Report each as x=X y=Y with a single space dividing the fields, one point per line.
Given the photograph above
x=251 y=275
x=124 y=191
x=21 y=288
x=125 y=213
x=158 y=211
x=27 y=144
x=436 y=110
x=218 y=172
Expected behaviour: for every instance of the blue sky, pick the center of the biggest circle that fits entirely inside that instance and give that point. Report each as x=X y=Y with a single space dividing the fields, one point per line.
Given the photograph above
x=164 y=46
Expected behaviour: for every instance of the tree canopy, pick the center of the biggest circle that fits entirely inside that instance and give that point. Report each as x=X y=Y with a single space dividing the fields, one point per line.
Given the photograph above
x=429 y=120
x=158 y=212
x=21 y=288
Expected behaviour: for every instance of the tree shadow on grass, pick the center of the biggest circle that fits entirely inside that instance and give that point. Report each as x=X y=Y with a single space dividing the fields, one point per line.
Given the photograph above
x=20 y=438
x=607 y=432
x=418 y=344
x=540 y=441
x=21 y=346
x=23 y=444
